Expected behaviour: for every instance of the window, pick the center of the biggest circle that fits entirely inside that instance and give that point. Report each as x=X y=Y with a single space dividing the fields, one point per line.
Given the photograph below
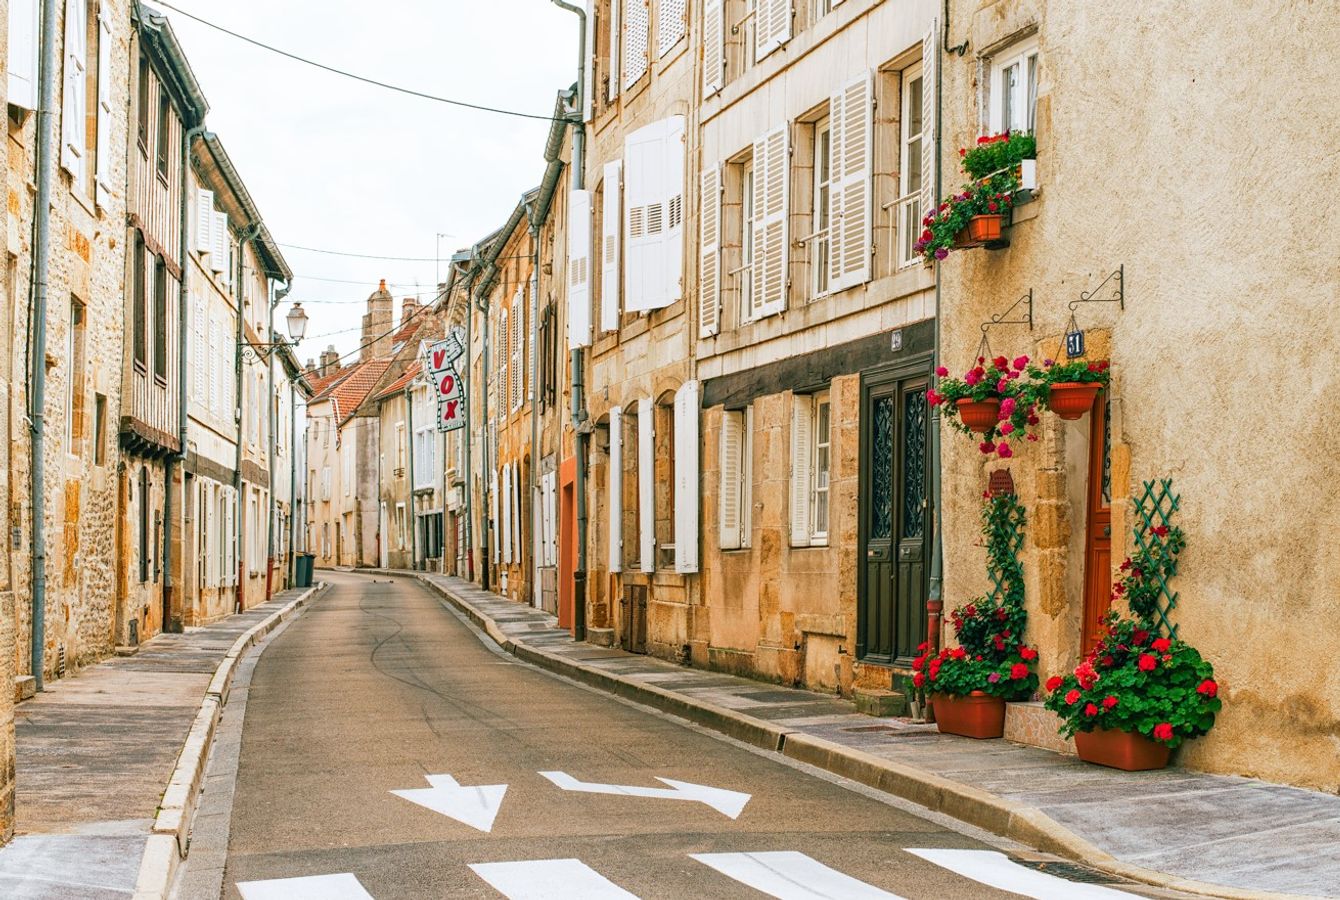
x=823 y=7
x=1013 y=88
x=823 y=173
x=736 y=467
x=636 y=40
x=140 y=275
x=143 y=497
x=810 y=468
x=74 y=381
x=663 y=465
x=142 y=106
x=744 y=273
x=164 y=150
x=74 y=105
x=671 y=24
x=909 y=169
x=400 y=526
x=400 y=447
x=502 y=355
x=160 y=319
x=99 y=430
x=348 y=474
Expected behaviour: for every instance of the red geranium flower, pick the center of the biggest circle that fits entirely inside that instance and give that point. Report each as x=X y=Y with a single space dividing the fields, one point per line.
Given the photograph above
x=1028 y=653
x=1072 y=697
x=1208 y=687
x=1018 y=671
x=919 y=679
x=1053 y=683
x=919 y=663
x=1090 y=710
x=1140 y=637
x=1148 y=662
x=1109 y=702
x=1161 y=645
x=1163 y=731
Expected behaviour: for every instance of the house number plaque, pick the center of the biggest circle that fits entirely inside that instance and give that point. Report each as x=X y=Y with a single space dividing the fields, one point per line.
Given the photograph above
x=1074 y=344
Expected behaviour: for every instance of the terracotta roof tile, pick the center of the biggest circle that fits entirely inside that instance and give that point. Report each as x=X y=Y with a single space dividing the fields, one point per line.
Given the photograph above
x=398 y=385
x=321 y=384
x=352 y=391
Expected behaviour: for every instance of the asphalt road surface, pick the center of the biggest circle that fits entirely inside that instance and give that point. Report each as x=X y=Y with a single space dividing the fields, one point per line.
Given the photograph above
x=379 y=688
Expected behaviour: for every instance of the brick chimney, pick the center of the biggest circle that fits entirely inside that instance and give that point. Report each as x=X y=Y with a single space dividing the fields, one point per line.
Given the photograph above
x=330 y=361
x=408 y=309
x=377 y=324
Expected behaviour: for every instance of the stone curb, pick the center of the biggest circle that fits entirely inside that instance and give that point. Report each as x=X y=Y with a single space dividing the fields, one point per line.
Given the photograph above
x=1024 y=824
x=167 y=845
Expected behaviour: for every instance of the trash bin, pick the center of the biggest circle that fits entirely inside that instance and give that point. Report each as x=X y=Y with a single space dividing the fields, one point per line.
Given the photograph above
x=304 y=573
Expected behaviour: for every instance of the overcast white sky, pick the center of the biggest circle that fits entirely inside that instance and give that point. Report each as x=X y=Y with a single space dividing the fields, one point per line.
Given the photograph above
x=340 y=165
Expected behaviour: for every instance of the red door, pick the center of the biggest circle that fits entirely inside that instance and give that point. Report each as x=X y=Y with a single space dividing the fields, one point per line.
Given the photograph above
x=1098 y=539
x=567 y=540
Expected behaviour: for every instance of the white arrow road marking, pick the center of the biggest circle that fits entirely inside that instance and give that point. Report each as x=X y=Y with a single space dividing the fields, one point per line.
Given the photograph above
x=473 y=806
x=791 y=876
x=728 y=803
x=999 y=871
x=312 y=887
x=550 y=879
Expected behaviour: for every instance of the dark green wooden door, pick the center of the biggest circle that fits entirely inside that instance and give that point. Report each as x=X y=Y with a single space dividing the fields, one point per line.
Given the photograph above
x=895 y=522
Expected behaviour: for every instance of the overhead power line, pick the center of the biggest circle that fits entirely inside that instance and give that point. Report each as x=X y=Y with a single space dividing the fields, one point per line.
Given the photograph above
x=332 y=69
x=358 y=255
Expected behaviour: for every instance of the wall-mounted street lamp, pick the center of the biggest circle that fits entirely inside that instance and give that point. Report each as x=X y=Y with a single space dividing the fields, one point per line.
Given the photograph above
x=297 y=328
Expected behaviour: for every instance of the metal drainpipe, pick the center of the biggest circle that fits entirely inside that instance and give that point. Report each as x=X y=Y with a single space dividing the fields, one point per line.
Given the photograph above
x=293 y=480
x=469 y=433
x=46 y=140
x=576 y=355
x=409 y=452
x=272 y=414
x=482 y=303
x=534 y=313
x=239 y=531
x=183 y=292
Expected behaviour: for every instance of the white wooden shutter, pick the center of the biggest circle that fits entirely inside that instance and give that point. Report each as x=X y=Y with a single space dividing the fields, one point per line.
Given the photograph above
x=614 y=491
x=215 y=364
x=589 y=64
x=204 y=220
x=614 y=75
x=644 y=198
x=611 y=221
x=24 y=39
x=201 y=361
x=802 y=430
x=851 y=113
x=518 y=348
x=930 y=49
x=728 y=495
x=218 y=237
x=493 y=514
x=672 y=241
x=507 y=513
x=709 y=249
x=74 y=106
x=518 y=533
x=772 y=26
x=531 y=335
x=646 y=487
x=670 y=24
x=771 y=174
x=687 y=482
x=103 y=163
x=579 y=269
x=637 y=23
x=714 y=46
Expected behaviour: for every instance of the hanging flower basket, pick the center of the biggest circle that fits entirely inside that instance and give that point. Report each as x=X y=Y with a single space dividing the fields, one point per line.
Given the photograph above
x=1071 y=399
x=979 y=415
x=1121 y=750
x=982 y=229
x=978 y=715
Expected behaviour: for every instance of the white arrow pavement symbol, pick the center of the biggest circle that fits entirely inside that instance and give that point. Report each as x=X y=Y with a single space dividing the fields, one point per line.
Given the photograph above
x=728 y=803
x=473 y=806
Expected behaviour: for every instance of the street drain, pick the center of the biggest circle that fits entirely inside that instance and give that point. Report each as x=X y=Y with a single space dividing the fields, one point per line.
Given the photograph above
x=1070 y=871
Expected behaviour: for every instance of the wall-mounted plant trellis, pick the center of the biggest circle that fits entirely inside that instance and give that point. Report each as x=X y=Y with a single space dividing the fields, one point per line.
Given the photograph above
x=1154 y=508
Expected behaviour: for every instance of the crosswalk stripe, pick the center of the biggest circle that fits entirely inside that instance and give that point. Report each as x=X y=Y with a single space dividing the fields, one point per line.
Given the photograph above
x=789 y=875
x=999 y=871
x=311 y=887
x=550 y=879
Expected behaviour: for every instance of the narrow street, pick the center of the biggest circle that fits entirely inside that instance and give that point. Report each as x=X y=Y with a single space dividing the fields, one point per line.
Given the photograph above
x=378 y=688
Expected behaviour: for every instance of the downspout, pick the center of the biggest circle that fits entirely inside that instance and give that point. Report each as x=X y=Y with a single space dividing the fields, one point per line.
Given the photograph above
x=293 y=482
x=239 y=530
x=46 y=140
x=534 y=314
x=183 y=293
x=486 y=486
x=272 y=413
x=409 y=452
x=469 y=433
x=576 y=355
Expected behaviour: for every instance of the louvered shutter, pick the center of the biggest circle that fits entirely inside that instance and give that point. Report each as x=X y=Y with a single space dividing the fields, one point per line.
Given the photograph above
x=637 y=23
x=687 y=482
x=531 y=336
x=728 y=496
x=103 y=163
x=644 y=198
x=73 y=108
x=714 y=47
x=670 y=24
x=518 y=367
x=24 y=40
x=614 y=491
x=709 y=249
x=614 y=75
x=218 y=236
x=504 y=356
x=493 y=514
x=579 y=269
x=771 y=174
x=672 y=241
x=930 y=49
x=836 y=126
x=772 y=26
x=518 y=532
x=507 y=513
x=200 y=358
x=589 y=64
x=204 y=220
x=646 y=488
x=850 y=248
x=215 y=365
x=802 y=429
x=610 y=224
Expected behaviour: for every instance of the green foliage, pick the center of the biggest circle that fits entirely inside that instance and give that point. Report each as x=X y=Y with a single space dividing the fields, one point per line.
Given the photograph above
x=997 y=379
x=1077 y=371
x=998 y=152
x=992 y=168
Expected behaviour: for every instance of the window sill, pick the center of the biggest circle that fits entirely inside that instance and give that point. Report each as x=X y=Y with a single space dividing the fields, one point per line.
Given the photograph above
x=82 y=200
x=816 y=544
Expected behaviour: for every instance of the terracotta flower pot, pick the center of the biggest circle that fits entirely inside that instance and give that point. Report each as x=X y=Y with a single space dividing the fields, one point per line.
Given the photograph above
x=1121 y=750
x=1072 y=399
x=977 y=715
x=985 y=228
x=980 y=415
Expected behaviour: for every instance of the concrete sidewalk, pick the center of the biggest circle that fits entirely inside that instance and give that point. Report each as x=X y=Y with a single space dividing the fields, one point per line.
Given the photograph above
x=96 y=753
x=1214 y=835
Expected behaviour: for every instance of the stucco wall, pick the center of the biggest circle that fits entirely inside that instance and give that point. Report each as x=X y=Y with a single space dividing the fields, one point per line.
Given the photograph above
x=1184 y=147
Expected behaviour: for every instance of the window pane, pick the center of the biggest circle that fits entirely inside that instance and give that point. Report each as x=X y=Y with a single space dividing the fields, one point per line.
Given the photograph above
x=914 y=101
x=1032 y=92
x=1009 y=80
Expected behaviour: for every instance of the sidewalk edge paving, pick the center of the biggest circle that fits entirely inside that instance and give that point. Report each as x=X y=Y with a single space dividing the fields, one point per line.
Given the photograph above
x=1018 y=822
x=168 y=844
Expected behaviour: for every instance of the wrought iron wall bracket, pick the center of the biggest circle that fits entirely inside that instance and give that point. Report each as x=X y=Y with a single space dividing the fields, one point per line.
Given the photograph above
x=1118 y=294
x=1023 y=317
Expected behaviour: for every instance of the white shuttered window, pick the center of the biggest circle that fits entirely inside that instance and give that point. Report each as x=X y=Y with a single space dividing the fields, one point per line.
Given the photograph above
x=614 y=490
x=671 y=24
x=615 y=75
x=507 y=514
x=610 y=222
x=709 y=262
x=810 y=467
x=930 y=49
x=103 y=163
x=771 y=177
x=74 y=107
x=773 y=26
x=654 y=225
x=735 y=493
x=22 y=56
x=579 y=269
x=204 y=220
x=714 y=46
x=636 y=37
x=646 y=487
x=687 y=487
x=851 y=115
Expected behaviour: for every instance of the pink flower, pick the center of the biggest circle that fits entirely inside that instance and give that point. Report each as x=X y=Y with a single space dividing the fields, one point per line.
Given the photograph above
x=1004 y=451
x=941 y=371
x=972 y=379
x=1002 y=385
x=1032 y=437
x=1006 y=428
x=1072 y=696
x=987 y=447
x=1020 y=362
x=1006 y=407
x=941 y=253
x=933 y=398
